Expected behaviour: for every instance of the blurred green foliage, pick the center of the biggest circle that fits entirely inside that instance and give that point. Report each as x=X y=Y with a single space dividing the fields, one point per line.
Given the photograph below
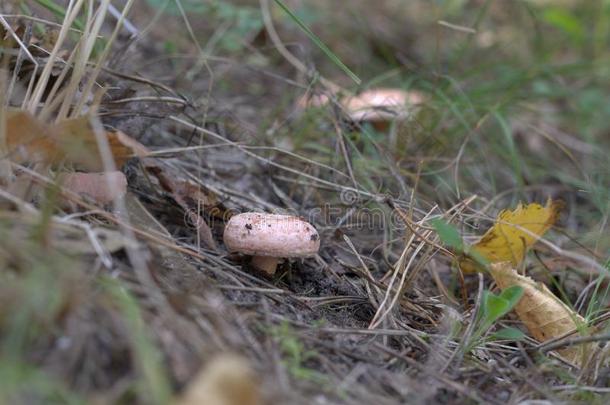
x=238 y=21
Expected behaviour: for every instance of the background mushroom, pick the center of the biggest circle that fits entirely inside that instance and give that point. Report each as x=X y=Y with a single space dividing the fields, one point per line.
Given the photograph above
x=379 y=106
x=270 y=237
x=382 y=104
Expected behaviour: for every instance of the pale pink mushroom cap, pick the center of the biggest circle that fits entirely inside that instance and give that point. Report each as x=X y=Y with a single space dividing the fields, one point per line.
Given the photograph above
x=103 y=188
x=382 y=104
x=271 y=235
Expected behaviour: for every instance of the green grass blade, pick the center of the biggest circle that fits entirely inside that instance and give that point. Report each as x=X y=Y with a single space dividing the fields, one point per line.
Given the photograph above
x=330 y=54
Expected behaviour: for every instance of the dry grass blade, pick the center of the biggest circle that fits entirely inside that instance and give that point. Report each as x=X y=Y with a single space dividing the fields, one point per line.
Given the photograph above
x=70 y=15
x=5 y=167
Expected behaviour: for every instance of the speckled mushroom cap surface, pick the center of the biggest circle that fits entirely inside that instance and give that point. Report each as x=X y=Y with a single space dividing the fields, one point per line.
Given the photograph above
x=261 y=234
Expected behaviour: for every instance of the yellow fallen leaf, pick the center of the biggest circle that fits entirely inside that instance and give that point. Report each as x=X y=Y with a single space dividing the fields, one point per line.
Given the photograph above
x=513 y=233
x=545 y=316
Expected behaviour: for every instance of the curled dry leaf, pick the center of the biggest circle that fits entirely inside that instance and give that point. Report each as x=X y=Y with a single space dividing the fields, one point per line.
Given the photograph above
x=128 y=146
x=545 y=316
x=190 y=197
x=71 y=141
x=77 y=139
x=30 y=141
x=226 y=380
x=512 y=234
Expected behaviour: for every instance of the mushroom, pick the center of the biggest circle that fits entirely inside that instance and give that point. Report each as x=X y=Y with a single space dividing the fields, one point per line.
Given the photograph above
x=270 y=237
x=378 y=105
x=102 y=188
x=382 y=104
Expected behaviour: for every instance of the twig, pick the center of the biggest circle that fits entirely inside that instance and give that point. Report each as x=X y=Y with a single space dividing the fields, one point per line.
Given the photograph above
x=573 y=342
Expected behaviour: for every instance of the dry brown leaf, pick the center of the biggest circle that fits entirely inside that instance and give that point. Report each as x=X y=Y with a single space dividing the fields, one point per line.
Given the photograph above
x=194 y=193
x=71 y=141
x=29 y=140
x=130 y=147
x=189 y=197
x=78 y=141
x=545 y=316
x=226 y=380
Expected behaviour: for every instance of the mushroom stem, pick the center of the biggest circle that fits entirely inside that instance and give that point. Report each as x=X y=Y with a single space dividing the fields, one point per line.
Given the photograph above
x=267 y=264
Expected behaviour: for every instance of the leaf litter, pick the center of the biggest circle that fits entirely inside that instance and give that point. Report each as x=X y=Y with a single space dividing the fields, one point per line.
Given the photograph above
x=323 y=328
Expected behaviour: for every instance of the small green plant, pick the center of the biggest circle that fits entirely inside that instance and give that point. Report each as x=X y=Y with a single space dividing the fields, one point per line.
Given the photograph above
x=294 y=353
x=566 y=22
x=448 y=235
x=493 y=307
x=599 y=297
x=451 y=238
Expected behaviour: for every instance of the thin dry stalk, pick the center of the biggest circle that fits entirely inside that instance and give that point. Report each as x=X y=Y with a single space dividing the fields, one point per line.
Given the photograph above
x=72 y=12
